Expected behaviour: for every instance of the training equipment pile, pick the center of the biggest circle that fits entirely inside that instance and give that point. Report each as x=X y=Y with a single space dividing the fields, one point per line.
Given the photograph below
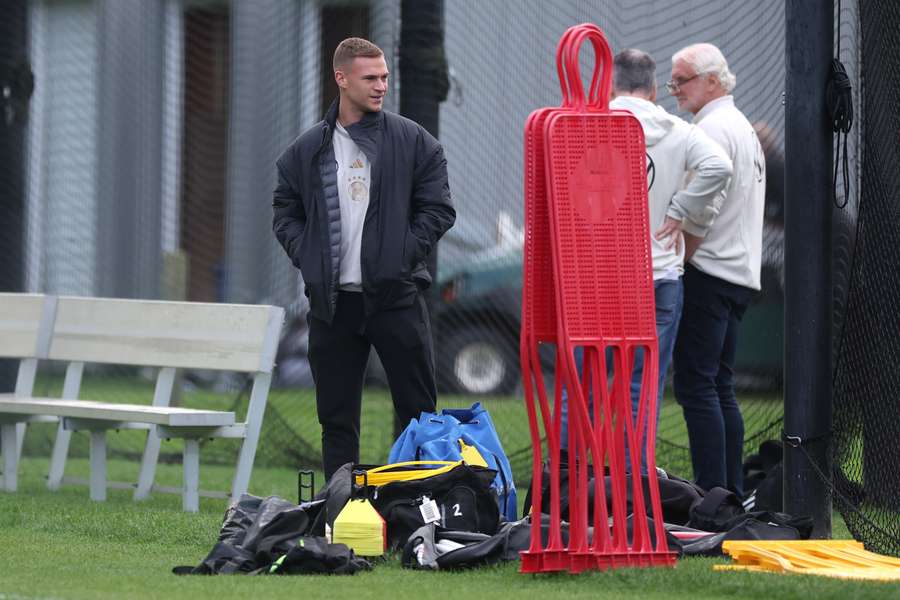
x=588 y=283
x=844 y=559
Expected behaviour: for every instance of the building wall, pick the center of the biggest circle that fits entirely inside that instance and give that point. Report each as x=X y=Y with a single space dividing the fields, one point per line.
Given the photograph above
x=62 y=148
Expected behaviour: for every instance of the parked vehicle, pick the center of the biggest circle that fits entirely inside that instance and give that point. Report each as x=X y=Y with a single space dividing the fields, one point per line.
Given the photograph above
x=477 y=323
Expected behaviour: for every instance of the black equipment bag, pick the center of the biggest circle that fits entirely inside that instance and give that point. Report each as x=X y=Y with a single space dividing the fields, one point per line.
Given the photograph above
x=764 y=478
x=314 y=555
x=677 y=496
x=464 y=497
x=715 y=511
x=435 y=548
x=269 y=535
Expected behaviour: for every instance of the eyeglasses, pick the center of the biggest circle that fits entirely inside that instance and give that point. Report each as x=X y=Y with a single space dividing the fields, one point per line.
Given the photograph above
x=674 y=85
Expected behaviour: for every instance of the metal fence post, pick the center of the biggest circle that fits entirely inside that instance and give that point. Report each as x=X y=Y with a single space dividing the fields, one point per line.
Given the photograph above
x=809 y=39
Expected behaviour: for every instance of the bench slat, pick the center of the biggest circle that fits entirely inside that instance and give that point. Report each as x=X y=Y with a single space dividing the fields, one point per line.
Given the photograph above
x=226 y=337
x=106 y=411
x=25 y=324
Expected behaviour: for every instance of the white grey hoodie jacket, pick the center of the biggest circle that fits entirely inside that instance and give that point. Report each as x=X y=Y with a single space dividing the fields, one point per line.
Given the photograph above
x=687 y=172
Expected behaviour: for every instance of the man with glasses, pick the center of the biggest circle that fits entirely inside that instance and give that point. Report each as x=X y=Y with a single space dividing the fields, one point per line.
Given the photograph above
x=722 y=271
x=674 y=150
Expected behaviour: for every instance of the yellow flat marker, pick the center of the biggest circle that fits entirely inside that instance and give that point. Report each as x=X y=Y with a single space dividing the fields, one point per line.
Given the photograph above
x=844 y=559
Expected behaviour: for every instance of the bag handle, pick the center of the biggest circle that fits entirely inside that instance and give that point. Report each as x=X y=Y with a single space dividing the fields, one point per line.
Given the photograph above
x=359 y=483
x=383 y=474
x=413 y=463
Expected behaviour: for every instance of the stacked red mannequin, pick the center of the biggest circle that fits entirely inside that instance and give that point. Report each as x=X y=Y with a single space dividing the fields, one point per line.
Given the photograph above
x=588 y=283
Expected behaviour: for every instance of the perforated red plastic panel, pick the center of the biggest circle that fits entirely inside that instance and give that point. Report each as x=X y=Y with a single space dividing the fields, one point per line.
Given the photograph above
x=538 y=293
x=597 y=177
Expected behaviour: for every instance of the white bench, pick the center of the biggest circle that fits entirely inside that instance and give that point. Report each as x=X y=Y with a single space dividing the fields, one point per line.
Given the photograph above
x=25 y=324
x=167 y=335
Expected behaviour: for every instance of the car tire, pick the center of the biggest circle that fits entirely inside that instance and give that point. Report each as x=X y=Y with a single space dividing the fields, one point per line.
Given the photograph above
x=478 y=361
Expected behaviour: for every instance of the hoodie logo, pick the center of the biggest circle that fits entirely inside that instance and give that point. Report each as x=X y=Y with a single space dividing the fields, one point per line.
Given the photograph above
x=651 y=172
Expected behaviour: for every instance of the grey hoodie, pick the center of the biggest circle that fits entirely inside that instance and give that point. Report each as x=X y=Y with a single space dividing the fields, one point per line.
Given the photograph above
x=689 y=170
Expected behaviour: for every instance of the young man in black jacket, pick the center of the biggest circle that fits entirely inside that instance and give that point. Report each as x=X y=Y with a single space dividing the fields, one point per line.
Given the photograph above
x=362 y=198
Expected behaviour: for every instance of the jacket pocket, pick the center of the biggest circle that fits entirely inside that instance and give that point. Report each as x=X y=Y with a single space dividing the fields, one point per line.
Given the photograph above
x=405 y=258
x=411 y=254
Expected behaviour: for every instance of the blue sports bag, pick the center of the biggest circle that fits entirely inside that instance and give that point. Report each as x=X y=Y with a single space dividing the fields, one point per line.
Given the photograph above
x=436 y=437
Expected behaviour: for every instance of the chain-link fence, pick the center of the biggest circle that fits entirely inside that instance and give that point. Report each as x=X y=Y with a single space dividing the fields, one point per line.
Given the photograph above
x=153 y=132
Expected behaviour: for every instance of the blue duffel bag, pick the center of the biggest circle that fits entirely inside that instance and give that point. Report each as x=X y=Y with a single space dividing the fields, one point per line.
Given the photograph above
x=436 y=437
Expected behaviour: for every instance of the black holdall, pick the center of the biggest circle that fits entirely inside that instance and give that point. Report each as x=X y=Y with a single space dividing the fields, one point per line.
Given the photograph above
x=314 y=555
x=434 y=548
x=764 y=478
x=261 y=536
x=677 y=495
x=715 y=511
x=461 y=499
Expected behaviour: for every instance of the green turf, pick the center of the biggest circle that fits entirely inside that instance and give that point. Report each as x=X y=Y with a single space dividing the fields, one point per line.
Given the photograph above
x=62 y=545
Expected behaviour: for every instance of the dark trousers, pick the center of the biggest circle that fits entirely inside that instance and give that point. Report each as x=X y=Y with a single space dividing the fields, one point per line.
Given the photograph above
x=704 y=377
x=338 y=355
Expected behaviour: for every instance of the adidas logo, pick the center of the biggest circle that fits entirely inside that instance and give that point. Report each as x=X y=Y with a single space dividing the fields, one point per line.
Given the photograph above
x=357 y=164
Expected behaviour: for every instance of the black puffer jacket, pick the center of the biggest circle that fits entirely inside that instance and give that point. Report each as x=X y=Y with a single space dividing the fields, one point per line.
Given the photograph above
x=409 y=210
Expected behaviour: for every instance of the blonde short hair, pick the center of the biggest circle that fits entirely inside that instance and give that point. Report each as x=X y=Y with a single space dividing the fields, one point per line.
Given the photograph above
x=354 y=48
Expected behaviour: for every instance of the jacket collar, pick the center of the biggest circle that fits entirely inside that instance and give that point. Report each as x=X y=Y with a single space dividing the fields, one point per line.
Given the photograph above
x=331 y=113
x=365 y=132
x=369 y=122
x=713 y=105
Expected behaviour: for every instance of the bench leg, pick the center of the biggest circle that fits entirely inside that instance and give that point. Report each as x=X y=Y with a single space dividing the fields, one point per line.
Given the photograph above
x=191 y=463
x=58 y=459
x=98 y=465
x=8 y=438
x=258 y=395
x=148 y=466
x=20 y=439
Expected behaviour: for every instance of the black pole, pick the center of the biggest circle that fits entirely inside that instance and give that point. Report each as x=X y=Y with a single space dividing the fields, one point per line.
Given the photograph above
x=424 y=83
x=16 y=84
x=809 y=40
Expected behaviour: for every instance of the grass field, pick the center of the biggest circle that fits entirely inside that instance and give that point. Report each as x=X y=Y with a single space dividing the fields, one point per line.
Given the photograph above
x=62 y=545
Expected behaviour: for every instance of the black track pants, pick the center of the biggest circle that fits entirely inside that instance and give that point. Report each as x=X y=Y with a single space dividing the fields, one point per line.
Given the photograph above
x=338 y=355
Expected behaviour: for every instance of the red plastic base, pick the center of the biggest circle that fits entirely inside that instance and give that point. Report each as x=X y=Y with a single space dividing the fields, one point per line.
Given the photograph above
x=555 y=561
x=582 y=561
x=531 y=562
